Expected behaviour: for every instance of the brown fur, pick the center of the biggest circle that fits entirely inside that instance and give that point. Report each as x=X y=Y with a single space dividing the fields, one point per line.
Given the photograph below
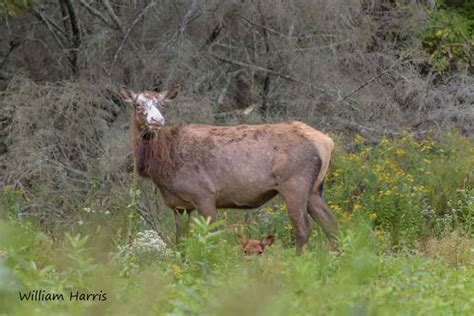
x=256 y=247
x=158 y=147
x=206 y=167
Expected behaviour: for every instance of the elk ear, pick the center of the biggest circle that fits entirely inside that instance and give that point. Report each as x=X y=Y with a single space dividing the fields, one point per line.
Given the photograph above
x=171 y=94
x=267 y=241
x=168 y=95
x=128 y=95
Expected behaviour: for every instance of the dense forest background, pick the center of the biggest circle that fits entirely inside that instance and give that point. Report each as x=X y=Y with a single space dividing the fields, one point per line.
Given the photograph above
x=391 y=81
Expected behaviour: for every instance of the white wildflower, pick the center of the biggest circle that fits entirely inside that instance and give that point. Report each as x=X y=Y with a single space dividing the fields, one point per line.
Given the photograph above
x=147 y=247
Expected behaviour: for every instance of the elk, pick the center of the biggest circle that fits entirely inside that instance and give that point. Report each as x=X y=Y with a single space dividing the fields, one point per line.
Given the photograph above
x=256 y=247
x=205 y=167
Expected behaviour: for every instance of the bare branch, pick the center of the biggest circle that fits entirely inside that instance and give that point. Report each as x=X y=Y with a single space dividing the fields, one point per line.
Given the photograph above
x=214 y=34
x=266 y=81
x=127 y=33
x=12 y=45
x=188 y=17
x=68 y=8
x=45 y=19
x=96 y=13
x=371 y=80
x=240 y=112
x=118 y=23
x=262 y=26
x=376 y=130
x=65 y=18
x=272 y=72
x=315 y=47
x=49 y=26
x=114 y=16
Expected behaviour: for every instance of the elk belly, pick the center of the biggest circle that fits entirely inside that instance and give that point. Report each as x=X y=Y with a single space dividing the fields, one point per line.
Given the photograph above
x=246 y=199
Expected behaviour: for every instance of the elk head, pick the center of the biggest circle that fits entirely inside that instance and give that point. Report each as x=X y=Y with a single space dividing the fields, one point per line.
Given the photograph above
x=256 y=247
x=147 y=105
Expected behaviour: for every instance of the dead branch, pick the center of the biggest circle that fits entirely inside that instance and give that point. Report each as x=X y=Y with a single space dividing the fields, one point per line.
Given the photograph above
x=114 y=16
x=49 y=26
x=12 y=46
x=377 y=130
x=76 y=33
x=65 y=18
x=253 y=23
x=266 y=81
x=188 y=17
x=272 y=72
x=239 y=113
x=118 y=23
x=371 y=80
x=96 y=13
x=301 y=49
x=127 y=33
x=48 y=22
x=214 y=34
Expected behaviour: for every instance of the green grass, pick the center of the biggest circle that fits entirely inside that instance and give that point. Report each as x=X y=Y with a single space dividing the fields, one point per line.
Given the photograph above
x=211 y=277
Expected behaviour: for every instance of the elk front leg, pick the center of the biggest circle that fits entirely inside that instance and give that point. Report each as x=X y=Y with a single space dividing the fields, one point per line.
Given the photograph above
x=207 y=208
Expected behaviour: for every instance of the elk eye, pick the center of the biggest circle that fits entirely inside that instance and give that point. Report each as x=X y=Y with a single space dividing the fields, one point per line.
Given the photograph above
x=260 y=252
x=246 y=252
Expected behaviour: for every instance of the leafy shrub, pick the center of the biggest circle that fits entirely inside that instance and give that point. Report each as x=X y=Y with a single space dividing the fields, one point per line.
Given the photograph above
x=11 y=203
x=273 y=220
x=14 y=7
x=202 y=248
x=403 y=185
x=463 y=7
x=448 y=40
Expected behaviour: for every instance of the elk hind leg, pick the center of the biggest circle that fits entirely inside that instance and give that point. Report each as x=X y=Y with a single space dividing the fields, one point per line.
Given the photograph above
x=321 y=213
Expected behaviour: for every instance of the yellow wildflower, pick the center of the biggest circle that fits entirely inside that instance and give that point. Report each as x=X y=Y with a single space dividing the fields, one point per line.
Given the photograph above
x=384 y=141
x=359 y=138
x=268 y=209
x=373 y=216
x=176 y=270
x=399 y=152
x=380 y=234
x=346 y=217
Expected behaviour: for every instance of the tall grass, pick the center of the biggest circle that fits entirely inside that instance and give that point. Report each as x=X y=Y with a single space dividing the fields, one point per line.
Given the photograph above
x=360 y=279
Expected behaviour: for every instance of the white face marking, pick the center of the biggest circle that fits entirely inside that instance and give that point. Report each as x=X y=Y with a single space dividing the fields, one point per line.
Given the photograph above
x=149 y=104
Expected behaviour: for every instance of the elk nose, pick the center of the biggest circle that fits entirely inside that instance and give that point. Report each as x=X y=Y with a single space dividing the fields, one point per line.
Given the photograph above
x=158 y=121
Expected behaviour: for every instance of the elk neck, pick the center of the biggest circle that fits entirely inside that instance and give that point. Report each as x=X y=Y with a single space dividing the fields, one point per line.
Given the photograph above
x=153 y=152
